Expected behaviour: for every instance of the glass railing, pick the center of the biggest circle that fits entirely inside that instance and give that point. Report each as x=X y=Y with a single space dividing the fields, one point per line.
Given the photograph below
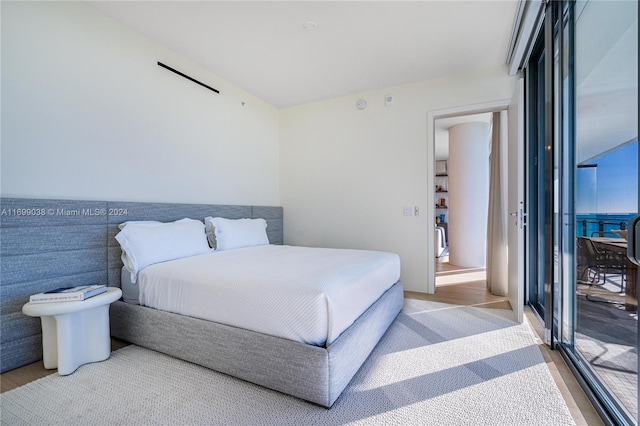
x=602 y=225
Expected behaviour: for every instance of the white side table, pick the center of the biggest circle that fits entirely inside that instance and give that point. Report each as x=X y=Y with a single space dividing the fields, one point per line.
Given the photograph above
x=75 y=333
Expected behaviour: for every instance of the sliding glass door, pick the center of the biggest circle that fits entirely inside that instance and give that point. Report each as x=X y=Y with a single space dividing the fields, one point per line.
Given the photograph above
x=582 y=136
x=605 y=339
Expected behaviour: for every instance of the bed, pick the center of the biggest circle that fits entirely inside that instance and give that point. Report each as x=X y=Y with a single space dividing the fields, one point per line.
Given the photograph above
x=343 y=302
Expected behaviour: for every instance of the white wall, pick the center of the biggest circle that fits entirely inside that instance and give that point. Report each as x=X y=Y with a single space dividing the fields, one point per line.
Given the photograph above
x=346 y=174
x=88 y=114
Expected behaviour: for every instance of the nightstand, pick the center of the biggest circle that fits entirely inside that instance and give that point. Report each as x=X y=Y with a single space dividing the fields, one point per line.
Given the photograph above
x=75 y=333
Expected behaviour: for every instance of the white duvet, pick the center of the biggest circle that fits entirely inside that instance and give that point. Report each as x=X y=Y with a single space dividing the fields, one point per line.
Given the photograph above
x=309 y=295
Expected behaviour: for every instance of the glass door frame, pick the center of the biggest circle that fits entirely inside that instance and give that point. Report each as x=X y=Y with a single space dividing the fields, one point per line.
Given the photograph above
x=535 y=182
x=550 y=175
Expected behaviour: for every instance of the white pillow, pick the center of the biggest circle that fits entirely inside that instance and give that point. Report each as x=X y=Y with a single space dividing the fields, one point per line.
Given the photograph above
x=237 y=233
x=150 y=223
x=146 y=244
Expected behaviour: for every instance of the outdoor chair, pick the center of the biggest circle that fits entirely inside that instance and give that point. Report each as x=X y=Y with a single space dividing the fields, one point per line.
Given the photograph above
x=594 y=264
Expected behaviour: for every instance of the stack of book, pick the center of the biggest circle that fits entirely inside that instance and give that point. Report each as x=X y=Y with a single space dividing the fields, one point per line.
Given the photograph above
x=68 y=294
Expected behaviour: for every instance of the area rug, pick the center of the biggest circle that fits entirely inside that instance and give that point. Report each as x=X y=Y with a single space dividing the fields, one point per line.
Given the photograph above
x=438 y=364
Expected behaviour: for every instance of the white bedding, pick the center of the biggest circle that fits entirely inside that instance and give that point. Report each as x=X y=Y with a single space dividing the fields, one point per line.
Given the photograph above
x=310 y=295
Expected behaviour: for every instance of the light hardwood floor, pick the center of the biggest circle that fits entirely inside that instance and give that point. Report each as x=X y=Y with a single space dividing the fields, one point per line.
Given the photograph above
x=468 y=292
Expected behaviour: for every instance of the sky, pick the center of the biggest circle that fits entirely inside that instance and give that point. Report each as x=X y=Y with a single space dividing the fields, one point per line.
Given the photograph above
x=612 y=186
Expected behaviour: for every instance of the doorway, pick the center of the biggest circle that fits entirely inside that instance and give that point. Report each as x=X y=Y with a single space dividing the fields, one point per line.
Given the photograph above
x=461 y=142
x=435 y=118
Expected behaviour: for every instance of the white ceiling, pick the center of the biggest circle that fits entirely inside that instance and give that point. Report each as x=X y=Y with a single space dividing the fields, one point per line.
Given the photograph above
x=262 y=47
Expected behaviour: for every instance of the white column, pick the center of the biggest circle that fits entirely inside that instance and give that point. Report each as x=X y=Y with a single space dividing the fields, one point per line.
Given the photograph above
x=468 y=170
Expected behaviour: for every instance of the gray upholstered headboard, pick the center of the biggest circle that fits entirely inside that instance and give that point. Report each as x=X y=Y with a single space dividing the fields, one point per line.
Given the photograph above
x=45 y=244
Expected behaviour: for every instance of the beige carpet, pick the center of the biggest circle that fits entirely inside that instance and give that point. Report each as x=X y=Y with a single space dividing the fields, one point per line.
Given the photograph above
x=438 y=364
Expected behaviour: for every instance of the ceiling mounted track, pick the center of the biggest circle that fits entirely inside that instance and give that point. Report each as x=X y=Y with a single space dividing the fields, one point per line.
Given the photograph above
x=187 y=77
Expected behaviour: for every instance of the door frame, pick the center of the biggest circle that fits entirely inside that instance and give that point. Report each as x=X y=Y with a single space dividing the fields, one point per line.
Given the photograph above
x=432 y=116
x=517 y=208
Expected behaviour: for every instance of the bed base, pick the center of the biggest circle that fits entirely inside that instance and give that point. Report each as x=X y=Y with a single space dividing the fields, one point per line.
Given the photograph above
x=313 y=373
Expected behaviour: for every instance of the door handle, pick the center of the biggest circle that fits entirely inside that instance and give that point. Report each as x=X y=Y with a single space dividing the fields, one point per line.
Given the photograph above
x=522 y=218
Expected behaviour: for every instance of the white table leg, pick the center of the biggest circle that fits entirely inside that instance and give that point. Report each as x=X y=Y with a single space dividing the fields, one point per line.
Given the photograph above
x=83 y=337
x=49 y=342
